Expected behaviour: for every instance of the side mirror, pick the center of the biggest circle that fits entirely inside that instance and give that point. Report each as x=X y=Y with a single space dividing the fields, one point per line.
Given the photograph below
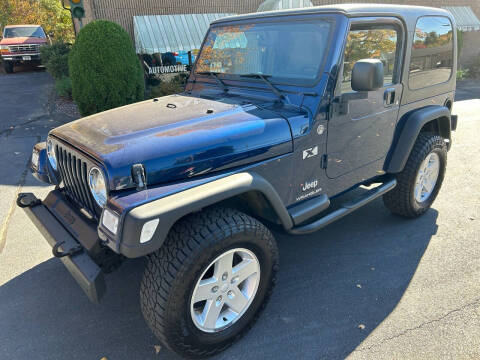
x=367 y=75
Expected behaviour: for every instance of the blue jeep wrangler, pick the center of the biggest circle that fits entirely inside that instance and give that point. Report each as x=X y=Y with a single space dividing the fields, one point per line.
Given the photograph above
x=283 y=112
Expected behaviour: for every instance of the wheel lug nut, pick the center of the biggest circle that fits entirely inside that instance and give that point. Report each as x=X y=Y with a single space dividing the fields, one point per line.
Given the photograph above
x=215 y=289
x=219 y=298
x=230 y=294
x=224 y=276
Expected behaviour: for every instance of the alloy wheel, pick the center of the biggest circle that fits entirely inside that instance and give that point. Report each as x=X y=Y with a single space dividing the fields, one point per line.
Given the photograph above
x=225 y=290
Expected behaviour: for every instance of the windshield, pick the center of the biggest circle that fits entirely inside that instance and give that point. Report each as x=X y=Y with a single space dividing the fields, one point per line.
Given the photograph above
x=23 y=31
x=281 y=50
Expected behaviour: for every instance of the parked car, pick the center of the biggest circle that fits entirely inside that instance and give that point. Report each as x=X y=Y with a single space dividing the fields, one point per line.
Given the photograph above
x=261 y=138
x=21 y=44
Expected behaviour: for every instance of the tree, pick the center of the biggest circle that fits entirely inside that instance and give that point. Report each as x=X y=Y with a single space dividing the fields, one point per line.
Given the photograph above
x=48 y=13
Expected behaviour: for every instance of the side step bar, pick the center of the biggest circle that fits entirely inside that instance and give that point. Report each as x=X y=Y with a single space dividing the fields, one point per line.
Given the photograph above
x=308 y=209
x=345 y=209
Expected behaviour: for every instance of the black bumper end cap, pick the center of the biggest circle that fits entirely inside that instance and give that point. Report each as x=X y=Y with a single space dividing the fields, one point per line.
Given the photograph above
x=454 y=122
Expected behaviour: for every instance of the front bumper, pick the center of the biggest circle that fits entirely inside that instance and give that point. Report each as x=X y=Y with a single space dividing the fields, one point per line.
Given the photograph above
x=52 y=217
x=21 y=57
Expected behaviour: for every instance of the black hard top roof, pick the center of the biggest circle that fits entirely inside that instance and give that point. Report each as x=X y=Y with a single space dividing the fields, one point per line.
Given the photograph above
x=408 y=13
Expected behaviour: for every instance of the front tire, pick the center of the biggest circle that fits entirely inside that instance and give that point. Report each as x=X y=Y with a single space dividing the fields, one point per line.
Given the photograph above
x=421 y=179
x=8 y=66
x=207 y=284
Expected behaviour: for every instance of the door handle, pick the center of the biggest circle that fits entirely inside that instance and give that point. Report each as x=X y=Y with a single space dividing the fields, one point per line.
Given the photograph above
x=389 y=97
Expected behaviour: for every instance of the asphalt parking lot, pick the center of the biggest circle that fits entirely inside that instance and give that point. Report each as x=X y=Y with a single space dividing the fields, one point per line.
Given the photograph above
x=371 y=285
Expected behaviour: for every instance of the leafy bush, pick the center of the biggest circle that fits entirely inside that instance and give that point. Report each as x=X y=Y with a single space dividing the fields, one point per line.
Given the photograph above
x=462 y=74
x=63 y=87
x=58 y=66
x=174 y=86
x=55 y=59
x=104 y=68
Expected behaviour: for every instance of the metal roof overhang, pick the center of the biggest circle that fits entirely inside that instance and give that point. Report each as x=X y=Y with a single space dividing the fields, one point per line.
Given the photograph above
x=464 y=17
x=169 y=33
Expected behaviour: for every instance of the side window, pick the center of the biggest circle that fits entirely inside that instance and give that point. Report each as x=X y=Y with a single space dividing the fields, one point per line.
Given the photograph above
x=370 y=43
x=432 y=52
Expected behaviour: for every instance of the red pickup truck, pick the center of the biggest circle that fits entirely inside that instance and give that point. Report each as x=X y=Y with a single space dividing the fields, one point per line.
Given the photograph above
x=21 y=44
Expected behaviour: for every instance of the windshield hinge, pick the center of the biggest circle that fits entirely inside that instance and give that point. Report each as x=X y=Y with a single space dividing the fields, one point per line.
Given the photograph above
x=138 y=176
x=324 y=161
x=329 y=110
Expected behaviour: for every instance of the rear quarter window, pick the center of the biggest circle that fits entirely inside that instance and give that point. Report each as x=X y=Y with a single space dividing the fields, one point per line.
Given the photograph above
x=431 y=61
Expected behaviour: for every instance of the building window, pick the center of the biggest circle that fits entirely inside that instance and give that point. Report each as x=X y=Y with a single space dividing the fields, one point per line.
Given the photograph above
x=432 y=52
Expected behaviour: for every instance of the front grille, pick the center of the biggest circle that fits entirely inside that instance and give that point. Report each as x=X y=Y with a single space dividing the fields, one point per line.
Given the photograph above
x=24 y=48
x=73 y=171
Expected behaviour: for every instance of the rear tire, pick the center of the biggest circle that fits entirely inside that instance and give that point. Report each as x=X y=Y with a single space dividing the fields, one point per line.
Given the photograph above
x=412 y=198
x=8 y=66
x=176 y=274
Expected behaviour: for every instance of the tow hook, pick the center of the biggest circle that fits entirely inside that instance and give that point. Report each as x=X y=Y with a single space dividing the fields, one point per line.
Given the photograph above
x=70 y=252
x=27 y=200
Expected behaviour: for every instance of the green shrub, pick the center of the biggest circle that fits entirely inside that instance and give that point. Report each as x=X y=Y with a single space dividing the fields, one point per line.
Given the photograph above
x=104 y=69
x=462 y=74
x=48 y=51
x=174 y=86
x=58 y=66
x=63 y=87
x=55 y=59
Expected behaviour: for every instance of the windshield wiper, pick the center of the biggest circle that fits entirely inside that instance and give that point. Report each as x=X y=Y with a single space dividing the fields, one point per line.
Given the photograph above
x=264 y=77
x=215 y=76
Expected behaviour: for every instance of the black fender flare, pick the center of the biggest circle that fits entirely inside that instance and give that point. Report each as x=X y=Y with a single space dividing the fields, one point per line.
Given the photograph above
x=409 y=128
x=173 y=207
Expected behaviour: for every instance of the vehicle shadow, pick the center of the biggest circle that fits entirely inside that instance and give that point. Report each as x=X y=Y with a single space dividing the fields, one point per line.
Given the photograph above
x=467 y=90
x=22 y=68
x=353 y=272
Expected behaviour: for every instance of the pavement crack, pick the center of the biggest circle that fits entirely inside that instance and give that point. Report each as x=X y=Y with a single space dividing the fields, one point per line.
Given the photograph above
x=426 y=323
x=10 y=129
x=6 y=222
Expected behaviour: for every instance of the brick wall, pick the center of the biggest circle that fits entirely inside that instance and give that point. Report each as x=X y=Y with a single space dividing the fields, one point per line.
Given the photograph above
x=122 y=11
x=470 y=49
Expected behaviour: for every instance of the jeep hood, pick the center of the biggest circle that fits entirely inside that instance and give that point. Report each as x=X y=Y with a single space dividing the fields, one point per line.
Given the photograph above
x=177 y=136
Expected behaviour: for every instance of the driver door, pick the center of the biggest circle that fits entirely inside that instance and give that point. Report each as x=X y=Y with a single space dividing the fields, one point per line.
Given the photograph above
x=361 y=133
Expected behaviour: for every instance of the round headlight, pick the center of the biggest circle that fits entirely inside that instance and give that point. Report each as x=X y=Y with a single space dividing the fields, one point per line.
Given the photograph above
x=98 y=187
x=51 y=154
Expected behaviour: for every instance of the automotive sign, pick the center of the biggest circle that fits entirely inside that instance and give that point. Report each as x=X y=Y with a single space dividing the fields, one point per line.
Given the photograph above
x=167 y=69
